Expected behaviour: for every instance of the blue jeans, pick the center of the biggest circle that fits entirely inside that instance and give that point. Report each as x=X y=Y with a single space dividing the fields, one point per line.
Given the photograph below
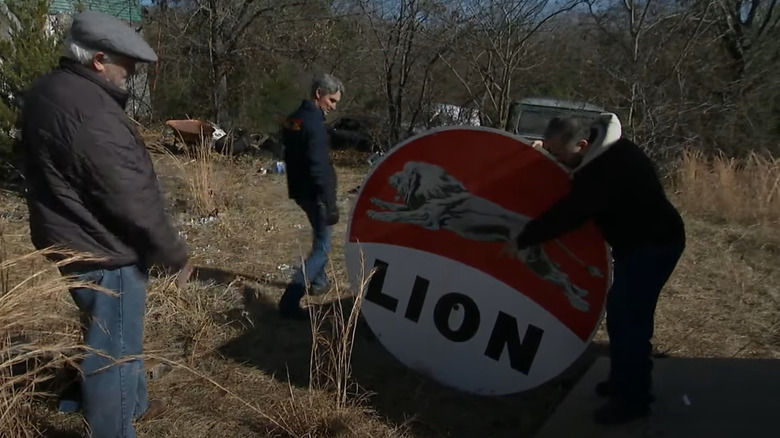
x=640 y=275
x=313 y=269
x=111 y=395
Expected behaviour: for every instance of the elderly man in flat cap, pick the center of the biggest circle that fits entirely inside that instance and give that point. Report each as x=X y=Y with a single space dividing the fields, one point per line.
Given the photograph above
x=92 y=188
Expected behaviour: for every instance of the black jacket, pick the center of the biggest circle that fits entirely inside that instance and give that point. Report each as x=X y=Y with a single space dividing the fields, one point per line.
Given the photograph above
x=620 y=190
x=310 y=173
x=91 y=184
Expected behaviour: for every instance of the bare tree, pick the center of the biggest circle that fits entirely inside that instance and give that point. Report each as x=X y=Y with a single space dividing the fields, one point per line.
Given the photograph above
x=699 y=71
x=411 y=39
x=495 y=44
x=217 y=30
x=748 y=27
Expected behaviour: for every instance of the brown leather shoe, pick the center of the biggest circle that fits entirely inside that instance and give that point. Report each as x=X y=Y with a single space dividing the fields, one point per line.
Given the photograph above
x=156 y=409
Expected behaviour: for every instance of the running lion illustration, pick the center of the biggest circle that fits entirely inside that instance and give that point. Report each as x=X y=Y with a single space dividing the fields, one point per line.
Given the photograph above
x=428 y=196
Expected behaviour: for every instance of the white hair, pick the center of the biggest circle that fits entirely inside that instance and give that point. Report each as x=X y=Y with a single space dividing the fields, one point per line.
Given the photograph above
x=329 y=84
x=78 y=52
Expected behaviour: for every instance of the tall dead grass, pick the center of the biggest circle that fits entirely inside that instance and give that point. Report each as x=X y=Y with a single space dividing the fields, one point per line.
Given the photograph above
x=197 y=167
x=742 y=191
x=332 y=401
x=333 y=336
x=36 y=339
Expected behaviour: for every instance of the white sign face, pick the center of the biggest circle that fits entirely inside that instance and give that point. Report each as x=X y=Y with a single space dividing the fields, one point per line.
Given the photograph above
x=449 y=296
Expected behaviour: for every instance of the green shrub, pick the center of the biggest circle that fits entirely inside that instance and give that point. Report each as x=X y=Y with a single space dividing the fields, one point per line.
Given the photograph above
x=28 y=48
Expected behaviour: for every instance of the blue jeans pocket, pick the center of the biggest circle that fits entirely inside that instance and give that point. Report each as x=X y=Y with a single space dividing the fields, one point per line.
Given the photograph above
x=95 y=276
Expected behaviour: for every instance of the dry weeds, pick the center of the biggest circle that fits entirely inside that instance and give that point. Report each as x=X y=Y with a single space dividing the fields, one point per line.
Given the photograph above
x=746 y=192
x=333 y=334
x=37 y=338
x=197 y=167
x=240 y=371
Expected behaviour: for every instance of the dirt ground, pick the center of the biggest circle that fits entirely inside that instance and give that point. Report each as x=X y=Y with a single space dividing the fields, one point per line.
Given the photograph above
x=240 y=371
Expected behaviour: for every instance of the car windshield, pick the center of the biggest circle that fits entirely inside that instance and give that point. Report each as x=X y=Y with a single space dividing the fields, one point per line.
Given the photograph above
x=533 y=121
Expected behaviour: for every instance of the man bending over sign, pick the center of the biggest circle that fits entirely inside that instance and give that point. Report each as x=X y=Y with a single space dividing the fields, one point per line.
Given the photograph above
x=615 y=184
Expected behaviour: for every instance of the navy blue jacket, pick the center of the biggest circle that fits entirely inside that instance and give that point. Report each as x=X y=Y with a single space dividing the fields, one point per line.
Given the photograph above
x=310 y=174
x=622 y=193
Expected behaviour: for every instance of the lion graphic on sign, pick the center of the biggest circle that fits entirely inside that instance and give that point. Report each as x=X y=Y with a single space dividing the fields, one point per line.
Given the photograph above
x=434 y=199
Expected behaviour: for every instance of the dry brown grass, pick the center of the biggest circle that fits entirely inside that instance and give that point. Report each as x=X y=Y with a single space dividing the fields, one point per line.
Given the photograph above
x=197 y=166
x=745 y=192
x=37 y=339
x=239 y=370
x=333 y=334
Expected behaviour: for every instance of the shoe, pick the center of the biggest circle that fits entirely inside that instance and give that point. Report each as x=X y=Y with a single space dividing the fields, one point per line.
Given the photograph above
x=618 y=411
x=607 y=389
x=156 y=409
x=297 y=313
x=70 y=399
x=289 y=304
x=68 y=405
x=319 y=289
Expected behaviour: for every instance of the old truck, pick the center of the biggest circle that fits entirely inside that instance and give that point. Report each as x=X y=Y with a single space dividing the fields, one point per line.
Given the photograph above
x=529 y=117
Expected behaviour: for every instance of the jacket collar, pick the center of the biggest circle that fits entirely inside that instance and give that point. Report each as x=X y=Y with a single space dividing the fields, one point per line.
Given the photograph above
x=119 y=95
x=309 y=105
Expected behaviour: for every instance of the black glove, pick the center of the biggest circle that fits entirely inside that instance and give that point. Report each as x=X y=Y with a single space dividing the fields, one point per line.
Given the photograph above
x=331 y=207
x=331 y=213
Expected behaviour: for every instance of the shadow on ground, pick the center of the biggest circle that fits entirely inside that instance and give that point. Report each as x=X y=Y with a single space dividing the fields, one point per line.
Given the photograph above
x=208 y=274
x=282 y=348
x=713 y=397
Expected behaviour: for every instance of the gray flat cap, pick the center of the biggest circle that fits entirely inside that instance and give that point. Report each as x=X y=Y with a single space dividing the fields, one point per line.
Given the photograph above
x=100 y=31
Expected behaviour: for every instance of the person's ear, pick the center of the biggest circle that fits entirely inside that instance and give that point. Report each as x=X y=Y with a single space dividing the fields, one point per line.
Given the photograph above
x=98 y=62
x=317 y=94
x=583 y=146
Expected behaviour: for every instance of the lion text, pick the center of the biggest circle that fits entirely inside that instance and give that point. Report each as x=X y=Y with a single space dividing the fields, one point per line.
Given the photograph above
x=505 y=333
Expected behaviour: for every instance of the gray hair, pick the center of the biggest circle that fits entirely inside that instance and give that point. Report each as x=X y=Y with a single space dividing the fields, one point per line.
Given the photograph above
x=78 y=52
x=329 y=84
x=569 y=129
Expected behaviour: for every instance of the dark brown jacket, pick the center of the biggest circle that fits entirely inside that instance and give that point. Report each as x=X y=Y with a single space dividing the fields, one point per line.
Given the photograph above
x=91 y=184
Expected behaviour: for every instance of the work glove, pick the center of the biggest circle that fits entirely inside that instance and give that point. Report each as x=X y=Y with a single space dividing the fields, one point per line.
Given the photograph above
x=331 y=213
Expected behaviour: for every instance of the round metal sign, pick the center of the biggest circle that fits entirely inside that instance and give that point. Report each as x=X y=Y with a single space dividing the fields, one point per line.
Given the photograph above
x=430 y=243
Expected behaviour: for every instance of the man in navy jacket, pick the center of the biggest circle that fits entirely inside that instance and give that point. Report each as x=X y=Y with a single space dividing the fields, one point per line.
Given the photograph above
x=311 y=183
x=615 y=184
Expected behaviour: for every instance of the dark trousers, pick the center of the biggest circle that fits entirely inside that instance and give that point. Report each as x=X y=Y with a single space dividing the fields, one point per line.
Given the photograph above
x=639 y=276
